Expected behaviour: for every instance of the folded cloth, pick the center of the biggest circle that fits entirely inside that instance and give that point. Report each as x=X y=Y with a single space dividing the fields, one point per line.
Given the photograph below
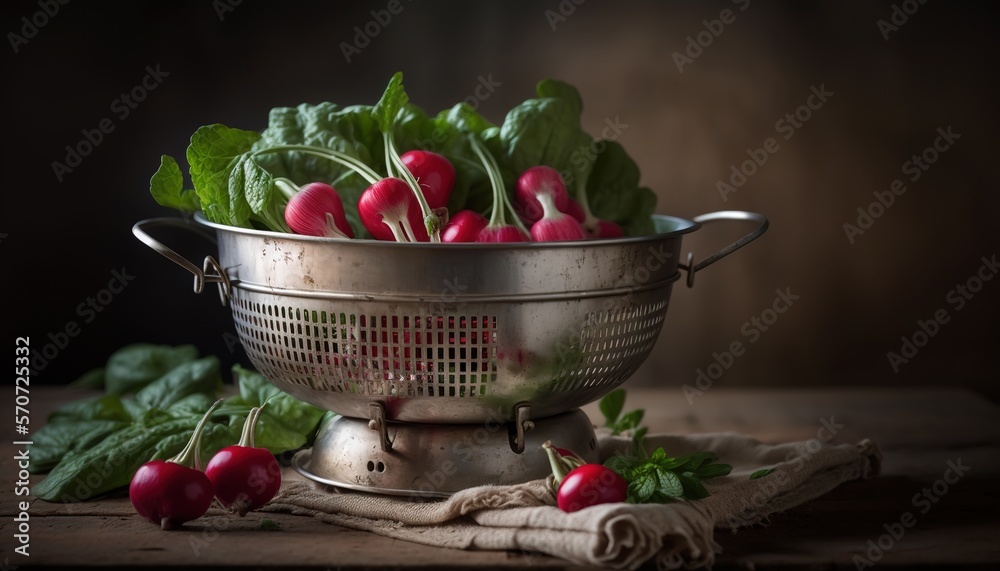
x=622 y=536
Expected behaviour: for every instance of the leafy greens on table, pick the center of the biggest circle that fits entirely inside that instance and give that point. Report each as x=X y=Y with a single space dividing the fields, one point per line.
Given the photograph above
x=93 y=446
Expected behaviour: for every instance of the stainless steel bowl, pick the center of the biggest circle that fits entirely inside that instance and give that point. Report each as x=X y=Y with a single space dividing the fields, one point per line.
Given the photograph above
x=447 y=333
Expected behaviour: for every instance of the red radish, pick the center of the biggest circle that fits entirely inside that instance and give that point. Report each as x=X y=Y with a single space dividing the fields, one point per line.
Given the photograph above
x=245 y=477
x=316 y=210
x=574 y=209
x=505 y=233
x=540 y=180
x=590 y=485
x=389 y=210
x=170 y=492
x=464 y=226
x=434 y=173
x=606 y=229
x=554 y=225
x=580 y=485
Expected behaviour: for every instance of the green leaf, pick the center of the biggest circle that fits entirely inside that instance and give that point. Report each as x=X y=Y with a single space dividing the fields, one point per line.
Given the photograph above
x=622 y=463
x=110 y=463
x=561 y=90
x=709 y=471
x=693 y=488
x=105 y=407
x=349 y=130
x=194 y=404
x=669 y=483
x=167 y=187
x=547 y=131
x=259 y=186
x=761 y=473
x=286 y=423
x=211 y=157
x=54 y=441
x=135 y=366
x=630 y=420
x=614 y=193
x=239 y=207
x=611 y=406
x=201 y=376
x=691 y=462
x=393 y=99
x=643 y=486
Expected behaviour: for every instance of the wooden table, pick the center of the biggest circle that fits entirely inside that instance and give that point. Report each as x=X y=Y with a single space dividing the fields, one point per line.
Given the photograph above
x=919 y=431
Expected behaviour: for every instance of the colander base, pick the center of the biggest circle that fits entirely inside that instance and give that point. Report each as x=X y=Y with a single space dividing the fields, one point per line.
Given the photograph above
x=436 y=460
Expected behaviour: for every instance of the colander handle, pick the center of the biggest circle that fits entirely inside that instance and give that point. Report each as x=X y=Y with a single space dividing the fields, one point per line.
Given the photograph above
x=201 y=275
x=693 y=268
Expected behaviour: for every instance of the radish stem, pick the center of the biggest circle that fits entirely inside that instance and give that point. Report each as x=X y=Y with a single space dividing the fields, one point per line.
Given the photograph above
x=500 y=200
x=194 y=444
x=286 y=187
x=348 y=161
x=430 y=219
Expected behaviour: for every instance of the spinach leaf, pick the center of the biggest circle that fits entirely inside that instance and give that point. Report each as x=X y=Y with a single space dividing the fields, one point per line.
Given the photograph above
x=167 y=187
x=547 y=131
x=614 y=193
x=239 y=207
x=286 y=423
x=350 y=130
x=212 y=154
x=112 y=462
x=393 y=99
x=201 y=376
x=135 y=366
x=192 y=405
x=105 y=407
x=55 y=440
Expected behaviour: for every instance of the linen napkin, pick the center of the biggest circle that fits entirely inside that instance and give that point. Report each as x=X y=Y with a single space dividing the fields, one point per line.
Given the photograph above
x=622 y=536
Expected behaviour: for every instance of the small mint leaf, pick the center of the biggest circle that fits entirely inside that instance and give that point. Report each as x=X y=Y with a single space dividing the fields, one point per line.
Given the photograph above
x=761 y=473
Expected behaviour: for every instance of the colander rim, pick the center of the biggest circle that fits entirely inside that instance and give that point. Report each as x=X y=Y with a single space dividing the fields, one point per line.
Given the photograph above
x=683 y=226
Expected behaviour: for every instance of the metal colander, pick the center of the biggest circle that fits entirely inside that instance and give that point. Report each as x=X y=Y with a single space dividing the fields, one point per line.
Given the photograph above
x=447 y=333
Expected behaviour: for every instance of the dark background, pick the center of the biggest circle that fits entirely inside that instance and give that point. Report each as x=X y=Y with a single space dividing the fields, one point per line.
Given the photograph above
x=62 y=240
